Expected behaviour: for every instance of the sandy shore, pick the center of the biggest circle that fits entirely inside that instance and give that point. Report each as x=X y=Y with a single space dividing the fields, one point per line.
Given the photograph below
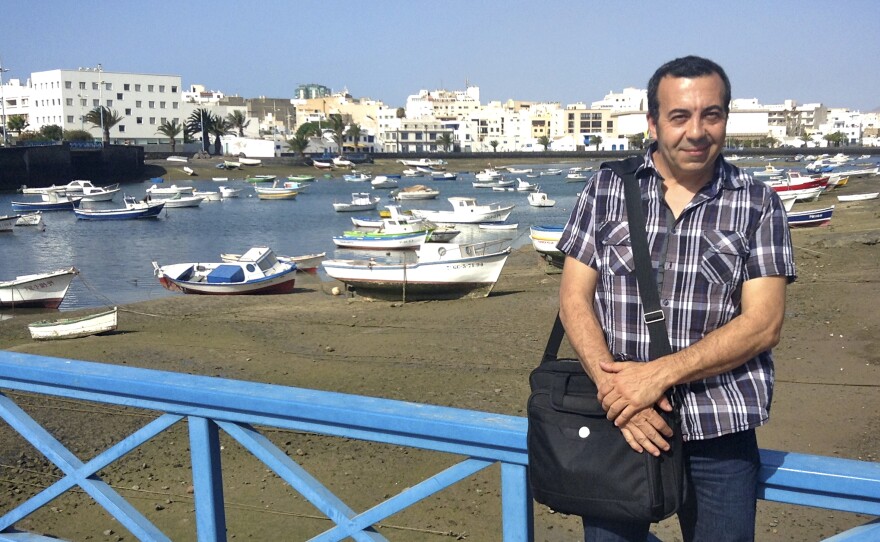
x=472 y=354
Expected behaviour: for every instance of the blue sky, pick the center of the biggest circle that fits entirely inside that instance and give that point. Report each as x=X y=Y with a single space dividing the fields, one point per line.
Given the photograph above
x=548 y=50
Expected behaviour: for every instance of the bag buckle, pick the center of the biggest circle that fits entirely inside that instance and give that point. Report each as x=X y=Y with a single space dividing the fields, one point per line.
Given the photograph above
x=654 y=316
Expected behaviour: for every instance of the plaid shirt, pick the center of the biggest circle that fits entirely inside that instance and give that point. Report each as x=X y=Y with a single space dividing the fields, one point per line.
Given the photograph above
x=733 y=230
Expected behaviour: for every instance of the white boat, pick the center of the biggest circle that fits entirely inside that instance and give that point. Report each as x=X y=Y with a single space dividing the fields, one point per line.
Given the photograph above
x=423 y=162
x=298 y=186
x=156 y=190
x=576 y=177
x=177 y=159
x=220 y=179
x=230 y=164
x=357 y=177
x=360 y=201
x=340 y=161
x=133 y=210
x=189 y=171
x=856 y=173
x=551 y=172
x=229 y=192
x=788 y=200
x=415 y=192
x=42 y=290
x=322 y=165
x=519 y=171
x=179 y=200
x=768 y=171
x=44 y=190
x=488 y=174
x=441 y=271
x=525 y=186
x=544 y=240
x=249 y=161
x=412 y=173
x=540 y=199
x=443 y=176
x=466 y=211
x=71 y=328
x=380 y=241
x=89 y=191
x=258 y=271
x=7 y=222
x=381 y=181
x=207 y=195
x=307 y=262
x=498 y=227
x=859 y=197
x=275 y=192
x=499 y=183
x=30 y=219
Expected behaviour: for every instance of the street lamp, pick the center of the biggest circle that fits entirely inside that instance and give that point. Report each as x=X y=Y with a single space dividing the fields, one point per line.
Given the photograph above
x=3 y=105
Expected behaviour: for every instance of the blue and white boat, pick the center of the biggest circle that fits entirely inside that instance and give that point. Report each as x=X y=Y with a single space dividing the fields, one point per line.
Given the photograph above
x=381 y=241
x=53 y=202
x=134 y=209
x=816 y=217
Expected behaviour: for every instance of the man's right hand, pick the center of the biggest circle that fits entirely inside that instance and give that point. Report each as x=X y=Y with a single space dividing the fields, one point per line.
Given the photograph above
x=647 y=431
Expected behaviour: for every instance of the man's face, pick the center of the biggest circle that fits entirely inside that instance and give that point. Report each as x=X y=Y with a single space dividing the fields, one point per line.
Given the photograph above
x=691 y=126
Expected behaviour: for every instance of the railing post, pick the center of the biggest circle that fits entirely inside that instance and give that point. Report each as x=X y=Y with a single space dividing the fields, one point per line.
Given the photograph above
x=204 y=445
x=517 y=514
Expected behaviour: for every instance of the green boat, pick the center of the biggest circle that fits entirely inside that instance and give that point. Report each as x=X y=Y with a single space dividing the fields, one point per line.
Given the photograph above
x=300 y=178
x=261 y=179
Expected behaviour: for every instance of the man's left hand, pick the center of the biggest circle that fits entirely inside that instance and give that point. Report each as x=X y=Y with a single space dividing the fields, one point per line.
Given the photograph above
x=631 y=387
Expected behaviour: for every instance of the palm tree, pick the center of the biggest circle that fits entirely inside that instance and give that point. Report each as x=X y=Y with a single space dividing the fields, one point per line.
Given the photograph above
x=104 y=118
x=596 y=140
x=337 y=126
x=17 y=123
x=219 y=127
x=637 y=141
x=354 y=132
x=494 y=144
x=545 y=141
x=171 y=129
x=199 y=121
x=238 y=121
x=445 y=141
x=299 y=143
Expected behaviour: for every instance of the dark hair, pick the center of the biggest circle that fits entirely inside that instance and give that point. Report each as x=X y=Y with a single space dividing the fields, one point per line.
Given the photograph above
x=689 y=67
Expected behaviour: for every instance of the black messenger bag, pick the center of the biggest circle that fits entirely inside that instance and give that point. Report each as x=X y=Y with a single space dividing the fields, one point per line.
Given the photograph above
x=579 y=462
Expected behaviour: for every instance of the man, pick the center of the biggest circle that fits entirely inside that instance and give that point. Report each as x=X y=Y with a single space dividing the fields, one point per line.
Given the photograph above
x=722 y=256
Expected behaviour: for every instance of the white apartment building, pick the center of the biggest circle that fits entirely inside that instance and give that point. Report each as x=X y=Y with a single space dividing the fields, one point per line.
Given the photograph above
x=144 y=101
x=631 y=99
x=443 y=104
x=845 y=121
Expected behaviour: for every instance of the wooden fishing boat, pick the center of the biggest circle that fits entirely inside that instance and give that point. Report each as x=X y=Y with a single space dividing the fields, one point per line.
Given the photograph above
x=258 y=271
x=859 y=197
x=40 y=290
x=71 y=328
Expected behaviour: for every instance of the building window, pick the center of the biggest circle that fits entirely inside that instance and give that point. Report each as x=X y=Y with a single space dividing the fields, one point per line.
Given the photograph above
x=152 y=120
x=118 y=95
x=109 y=103
x=164 y=120
x=82 y=85
x=138 y=104
x=161 y=88
x=137 y=87
x=83 y=102
x=69 y=119
x=174 y=89
x=69 y=101
x=108 y=86
x=68 y=84
x=95 y=103
x=94 y=86
x=121 y=127
x=174 y=105
x=152 y=105
x=139 y=120
x=161 y=105
x=128 y=111
x=126 y=87
x=149 y=88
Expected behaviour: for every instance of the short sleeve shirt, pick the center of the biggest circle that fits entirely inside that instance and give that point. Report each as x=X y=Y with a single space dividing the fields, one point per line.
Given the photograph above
x=734 y=230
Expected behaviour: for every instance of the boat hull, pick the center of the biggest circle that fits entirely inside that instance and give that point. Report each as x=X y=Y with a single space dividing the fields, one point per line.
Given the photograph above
x=71 y=328
x=152 y=211
x=45 y=290
x=452 y=217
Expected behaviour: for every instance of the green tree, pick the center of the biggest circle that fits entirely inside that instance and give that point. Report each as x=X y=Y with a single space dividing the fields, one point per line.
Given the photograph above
x=171 y=129
x=354 y=132
x=299 y=143
x=545 y=142
x=445 y=141
x=309 y=129
x=53 y=132
x=103 y=117
x=808 y=138
x=30 y=135
x=17 y=123
x=219 y=128
x=199 y=122
x=77 y=135
x=637 y=141
x=239 y=121
x=596 y=140
x=400 y=113
x=835 y=139
x=337 y=126
x=494 y=144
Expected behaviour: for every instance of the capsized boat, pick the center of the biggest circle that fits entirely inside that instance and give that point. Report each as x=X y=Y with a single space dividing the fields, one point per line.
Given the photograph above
x=40 y=290
x=71 y=328
x=441 y=271
x=258 y=271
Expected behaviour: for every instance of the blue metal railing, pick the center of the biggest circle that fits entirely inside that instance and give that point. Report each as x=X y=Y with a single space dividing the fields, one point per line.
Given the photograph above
x=211 y=404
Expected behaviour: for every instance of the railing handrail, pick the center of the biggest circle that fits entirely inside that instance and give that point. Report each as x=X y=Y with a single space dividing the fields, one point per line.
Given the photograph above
x=833 y=483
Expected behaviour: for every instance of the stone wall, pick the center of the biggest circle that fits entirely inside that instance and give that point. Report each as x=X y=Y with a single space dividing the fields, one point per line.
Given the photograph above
x=40 y=166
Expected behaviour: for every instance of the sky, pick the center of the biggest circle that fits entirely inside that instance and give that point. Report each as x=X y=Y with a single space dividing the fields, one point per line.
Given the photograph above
x=539 y=50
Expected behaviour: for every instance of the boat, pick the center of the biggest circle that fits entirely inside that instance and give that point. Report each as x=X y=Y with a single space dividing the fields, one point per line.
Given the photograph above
x=189 y=171
x=540 y=199
x=466 y=211
x=768 y=171
x=275 y=192
x=544 y=240
x=493 y=184
x=7 y=222
x=550 y=172
x=299 y=187
x=229 y=192
x=397 y=222
x=806 y=188
x=322 y=165
x=166 y=191
x=859 y=197
x=444 y=176
x=423 y=162
x=414 y=192
x=30 y=219
x=134 y=209
x=249 y=161
x=307 y=263
x=382 y=181
x=380 y=241
x=488 y=174
x=301 y=178
x=179 y=200
x=261 y=178
x=207 y=195
x=357 y=177
x=360 y=201
x=72 y=328
x=257 y=272
x=177 y=159
x=441 y=271
x=498 y=227
x=576 y=177
x=229 y=164
x=41 y=290
x=788 y=200
x=340 y=161
x=525 y=186
x=519 y=171
x=55 y=202
x=412 y=173
x=856 y=173
x=816 y=217
x=89 y=191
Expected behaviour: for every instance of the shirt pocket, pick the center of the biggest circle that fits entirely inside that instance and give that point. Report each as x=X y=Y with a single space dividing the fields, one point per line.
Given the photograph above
x=615 y=255
x=724 y=254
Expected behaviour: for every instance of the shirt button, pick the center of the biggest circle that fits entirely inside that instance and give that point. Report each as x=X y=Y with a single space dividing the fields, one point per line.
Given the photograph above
x=665 y=302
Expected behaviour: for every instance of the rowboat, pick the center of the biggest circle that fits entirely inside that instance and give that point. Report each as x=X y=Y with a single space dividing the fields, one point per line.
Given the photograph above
x=300 y=178
x=859 y=197
x=249 y=161
x=134 y=209
x=260 y=178
x=177 y=159
x=441 y=271
x=322 y=165
x=207 y=195
x=360 y=201
x=55 y=202
x=41 y=290
x=415 y=192
x=357 y=177
x=540 y=199
x=380 y=241
x=257 y=272
x=30 y=219
x=166 y=191
x=306 y=262
x=275 y=192
x=189 y=171
x=383 y=181
x=71 y=328
x=228 y=192
x=466 y=211
x=544 y=240
x=816 y=217
x=179 y=200
x=498 y=227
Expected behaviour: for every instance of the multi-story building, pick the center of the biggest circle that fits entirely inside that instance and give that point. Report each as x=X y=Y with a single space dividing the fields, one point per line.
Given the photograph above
x=15 y=100
x=311 y=90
